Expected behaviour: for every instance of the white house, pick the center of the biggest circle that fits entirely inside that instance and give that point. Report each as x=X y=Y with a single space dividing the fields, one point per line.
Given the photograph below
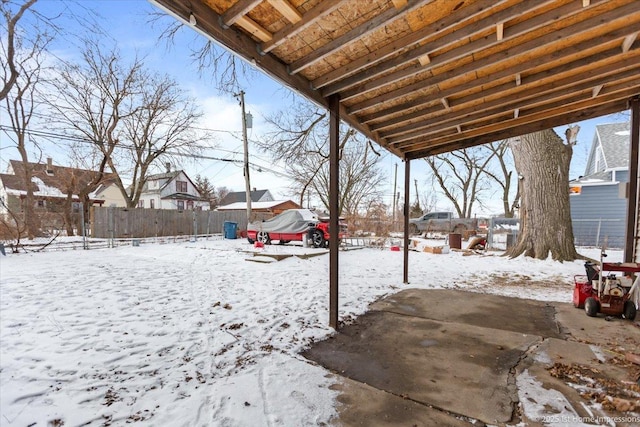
x=171 y=190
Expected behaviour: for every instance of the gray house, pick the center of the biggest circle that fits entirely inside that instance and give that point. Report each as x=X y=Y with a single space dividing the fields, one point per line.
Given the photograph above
x=598 y=202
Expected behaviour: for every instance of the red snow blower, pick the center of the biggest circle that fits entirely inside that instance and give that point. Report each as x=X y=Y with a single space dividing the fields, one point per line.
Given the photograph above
x=609 y=294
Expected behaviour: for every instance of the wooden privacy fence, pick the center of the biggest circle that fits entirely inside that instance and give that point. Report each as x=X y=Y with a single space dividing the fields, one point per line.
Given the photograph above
x=111 y=222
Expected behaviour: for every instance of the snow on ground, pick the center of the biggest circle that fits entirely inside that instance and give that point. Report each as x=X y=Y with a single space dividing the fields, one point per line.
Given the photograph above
x=193 y=334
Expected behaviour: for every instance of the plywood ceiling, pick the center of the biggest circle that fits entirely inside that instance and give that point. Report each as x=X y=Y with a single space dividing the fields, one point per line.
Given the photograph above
x=423 y=77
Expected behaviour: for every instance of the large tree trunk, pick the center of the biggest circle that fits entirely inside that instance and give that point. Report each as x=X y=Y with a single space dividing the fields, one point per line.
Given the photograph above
x=542 y=161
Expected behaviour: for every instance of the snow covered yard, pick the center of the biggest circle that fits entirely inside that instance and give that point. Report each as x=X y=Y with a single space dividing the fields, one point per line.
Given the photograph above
x=194 y=334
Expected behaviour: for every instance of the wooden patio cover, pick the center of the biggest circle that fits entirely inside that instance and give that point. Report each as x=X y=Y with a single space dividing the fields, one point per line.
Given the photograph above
x=422 y=77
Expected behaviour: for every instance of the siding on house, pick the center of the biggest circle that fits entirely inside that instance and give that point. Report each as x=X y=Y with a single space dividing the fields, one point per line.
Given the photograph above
x=596 y=216
x=163 y=192
x=598 y=212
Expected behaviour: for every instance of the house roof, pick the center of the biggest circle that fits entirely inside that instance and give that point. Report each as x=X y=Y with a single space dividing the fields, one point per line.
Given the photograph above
x=50 y=180
x=595 y=178
x=183 y=196
x=241 y=196
x=614 y=139
x=168 y=176
x=422 y=77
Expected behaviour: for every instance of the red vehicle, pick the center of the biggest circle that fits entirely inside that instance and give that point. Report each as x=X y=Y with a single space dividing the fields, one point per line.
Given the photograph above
x=293 y=225
x=608 y=293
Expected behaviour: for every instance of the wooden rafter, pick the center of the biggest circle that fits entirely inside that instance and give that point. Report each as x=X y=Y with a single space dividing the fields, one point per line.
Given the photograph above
x=253 y=28
x=288 y=11
x=538 y=95
x=470 y=49
x=361 y=31
x=323 y=8
x=238 y=10
x=552 y=81
x=542 y=44
x=554 y=109
x=425 y=34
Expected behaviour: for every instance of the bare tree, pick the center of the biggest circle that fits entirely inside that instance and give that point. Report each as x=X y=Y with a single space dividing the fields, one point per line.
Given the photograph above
x=359 y=177
x=12 y=13
x=542 y=160
x=461 y=176
x=22 y=66
x=504 y=177
x=130 y=116
x=301 y=141
x=223 y=68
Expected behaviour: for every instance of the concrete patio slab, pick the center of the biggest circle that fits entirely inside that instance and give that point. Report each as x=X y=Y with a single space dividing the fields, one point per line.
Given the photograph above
x=419 y=355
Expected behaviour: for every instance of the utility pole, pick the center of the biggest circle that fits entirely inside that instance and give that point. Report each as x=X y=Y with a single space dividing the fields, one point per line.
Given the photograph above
x=247 y=181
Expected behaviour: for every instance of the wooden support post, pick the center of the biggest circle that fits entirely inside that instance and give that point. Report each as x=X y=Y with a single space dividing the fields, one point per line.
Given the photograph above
x=405 y=211
x=632 y=206
x=334 y=146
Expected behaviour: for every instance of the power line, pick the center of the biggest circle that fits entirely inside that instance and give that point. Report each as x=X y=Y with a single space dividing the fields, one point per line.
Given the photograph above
x=75 y=138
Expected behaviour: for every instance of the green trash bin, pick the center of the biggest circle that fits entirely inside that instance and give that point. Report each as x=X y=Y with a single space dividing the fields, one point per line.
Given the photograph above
x=230 y=229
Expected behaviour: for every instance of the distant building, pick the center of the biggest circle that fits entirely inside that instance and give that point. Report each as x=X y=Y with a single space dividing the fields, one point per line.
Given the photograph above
x=598 y=199
x=171 y=190
x=241 y=196
x=52 y=187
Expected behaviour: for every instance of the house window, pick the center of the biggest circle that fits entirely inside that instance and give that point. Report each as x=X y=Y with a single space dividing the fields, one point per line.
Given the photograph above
x=40 y=204
x=152 y=204
x=141 y=203
x=181 y=186
x=190 y=204
x=180 y=205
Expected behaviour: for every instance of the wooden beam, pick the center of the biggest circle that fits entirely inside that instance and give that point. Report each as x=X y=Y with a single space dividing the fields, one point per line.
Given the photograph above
x=287 y=10
x=357 y=33
x=253 y=28
x=596 y=90
x=558 y=109
x=586 y=3
x=516 y=129
x=238 y=10
x=605 y=62
x=518 y=79
x=628 y=42
x=548 y=41
x=531 y=99
x=500 y=31
x=399 y=3
x=364 y=83
x=531 y=105
x=445 y=102
x=533 y=94
x=429 y=32
x=323 y=8
x=424 y=59
x=436 y=41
